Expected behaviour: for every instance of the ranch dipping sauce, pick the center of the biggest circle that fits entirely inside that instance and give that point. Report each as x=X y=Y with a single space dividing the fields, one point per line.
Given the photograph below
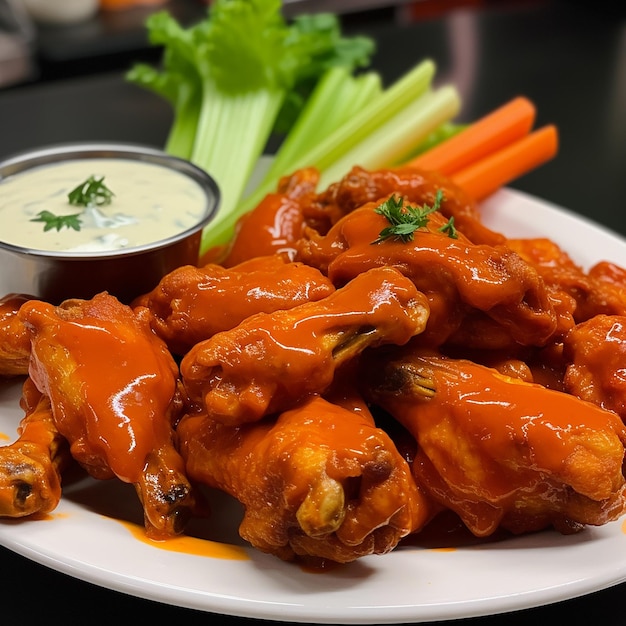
x=150 y=203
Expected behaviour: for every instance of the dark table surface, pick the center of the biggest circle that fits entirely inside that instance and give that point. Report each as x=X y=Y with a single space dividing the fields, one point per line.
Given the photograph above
x=568 y=58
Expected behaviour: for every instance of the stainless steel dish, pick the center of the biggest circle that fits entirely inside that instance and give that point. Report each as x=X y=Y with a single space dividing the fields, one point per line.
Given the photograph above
x=54 y=276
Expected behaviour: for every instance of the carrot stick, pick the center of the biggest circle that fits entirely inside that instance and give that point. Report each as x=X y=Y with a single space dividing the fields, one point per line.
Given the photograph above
x=510 y=122
x=487 y=175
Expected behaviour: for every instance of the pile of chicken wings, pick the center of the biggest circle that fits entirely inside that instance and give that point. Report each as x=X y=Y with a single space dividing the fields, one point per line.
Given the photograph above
x=346 y=389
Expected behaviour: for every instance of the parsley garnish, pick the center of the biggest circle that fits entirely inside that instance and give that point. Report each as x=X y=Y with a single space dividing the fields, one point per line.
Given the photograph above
x=449 y=229
x=93 y=192
x=58 y=222
x=405 y=220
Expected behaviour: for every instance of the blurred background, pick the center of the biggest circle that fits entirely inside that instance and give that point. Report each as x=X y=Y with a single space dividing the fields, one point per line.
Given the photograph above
x=42 y=40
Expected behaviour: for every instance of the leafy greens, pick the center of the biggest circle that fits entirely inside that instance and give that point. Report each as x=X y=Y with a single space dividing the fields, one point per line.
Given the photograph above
x=405 y=219
x=236 y=76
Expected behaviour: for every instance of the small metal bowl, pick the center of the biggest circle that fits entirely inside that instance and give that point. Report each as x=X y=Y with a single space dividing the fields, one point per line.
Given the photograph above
x=125 y=273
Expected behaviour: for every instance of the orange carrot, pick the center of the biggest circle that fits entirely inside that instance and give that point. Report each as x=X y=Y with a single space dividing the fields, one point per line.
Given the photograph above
x=487 y=175
x=507 y=124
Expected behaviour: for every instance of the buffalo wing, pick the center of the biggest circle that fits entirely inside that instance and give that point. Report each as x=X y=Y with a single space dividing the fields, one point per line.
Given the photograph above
x=31 y=467
x=595 y=353
x=317 y=482
x=14 y=338
x=601 y=290
x=193 y=303
x=457 y=276
x=114 y=394
x=361 y=186
x=501 y=452
x=276 y=223
x=271 y=361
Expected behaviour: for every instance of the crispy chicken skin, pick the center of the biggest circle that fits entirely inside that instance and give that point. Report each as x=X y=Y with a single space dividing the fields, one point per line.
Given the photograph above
x=14 y=338
x=601 y=290
x=270 y=362
x=501 y=452
x=457 y=276
x=191 y=304
x=31 y=466
x=114 y=394
x=595 y=353
x=317 y=482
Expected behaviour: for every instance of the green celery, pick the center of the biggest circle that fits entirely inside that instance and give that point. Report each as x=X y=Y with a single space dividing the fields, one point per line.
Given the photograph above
x=393 y=100
x=177 y=81
x=230 y=77
x=243 y=123
x=391 y=142
x=326 y=150
x=337 y=96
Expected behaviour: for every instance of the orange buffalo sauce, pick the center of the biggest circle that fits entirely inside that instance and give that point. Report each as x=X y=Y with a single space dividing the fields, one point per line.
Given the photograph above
x=115 y=405
x=190 y=545
x=128 y=434
x=510 y=419
x=503 y=452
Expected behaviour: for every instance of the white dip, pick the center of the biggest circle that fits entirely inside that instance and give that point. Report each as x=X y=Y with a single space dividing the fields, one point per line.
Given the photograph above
x=150 y=203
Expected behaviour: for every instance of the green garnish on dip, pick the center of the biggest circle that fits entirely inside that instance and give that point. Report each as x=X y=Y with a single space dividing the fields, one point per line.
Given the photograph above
x=92 y=192
x=404 y=219
x=57 y=222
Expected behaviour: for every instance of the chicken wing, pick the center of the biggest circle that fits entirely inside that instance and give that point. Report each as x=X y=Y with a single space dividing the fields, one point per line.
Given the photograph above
x=457 y=276
x=14 y=338
x=601 y=290
x=361 y=186
x=318 y=482
x=114 y=395
x=191 y=304
x=501 y=452
x=595 y=352
x=270 y=362
x=31 y=467
x=276 y=223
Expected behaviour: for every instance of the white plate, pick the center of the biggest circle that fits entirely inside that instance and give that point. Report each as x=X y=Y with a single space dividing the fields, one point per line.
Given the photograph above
x=83 y=538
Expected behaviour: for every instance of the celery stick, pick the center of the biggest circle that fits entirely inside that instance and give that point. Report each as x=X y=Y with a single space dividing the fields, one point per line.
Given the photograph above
x=338 y=81
x=332 y=147
x=182 y=134
x=390 y=143
x=232 y=133
x=336 y=98
x=397 y=96
x=369 y=88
